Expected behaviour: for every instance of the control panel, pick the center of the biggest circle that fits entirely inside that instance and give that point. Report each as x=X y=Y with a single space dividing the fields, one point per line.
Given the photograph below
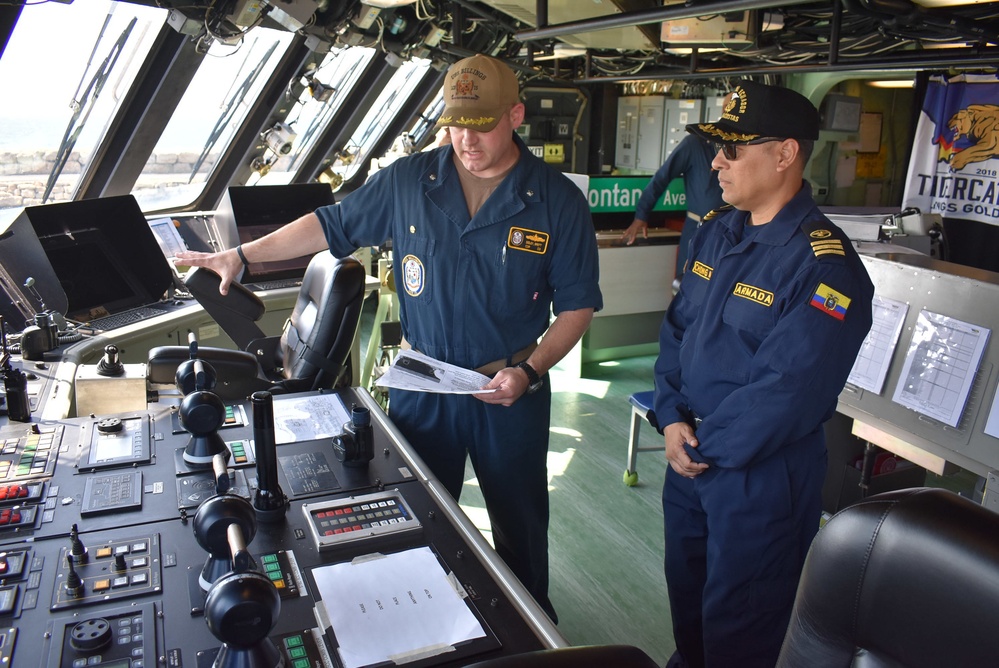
x=118 y=551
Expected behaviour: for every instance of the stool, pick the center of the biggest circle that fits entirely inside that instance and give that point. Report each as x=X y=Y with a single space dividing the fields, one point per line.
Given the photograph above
x=641 y=404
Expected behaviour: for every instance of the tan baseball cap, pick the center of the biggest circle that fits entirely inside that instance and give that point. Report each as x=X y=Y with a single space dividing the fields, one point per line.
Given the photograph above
x=477 y=92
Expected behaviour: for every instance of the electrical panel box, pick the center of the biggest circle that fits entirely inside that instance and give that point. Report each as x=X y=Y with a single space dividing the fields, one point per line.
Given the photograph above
x=713 y=108
x=724 y=28
x=679 y=114
x=649 y=154
x=246 y=12
x=626 y=145
x=554 y=126
x=650 y=127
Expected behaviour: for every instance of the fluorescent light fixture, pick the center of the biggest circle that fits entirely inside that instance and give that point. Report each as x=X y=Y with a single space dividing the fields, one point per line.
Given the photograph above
x=387 y=4
x=686 y=50
x=892 y=83
x=558 y=51
x=950 y=3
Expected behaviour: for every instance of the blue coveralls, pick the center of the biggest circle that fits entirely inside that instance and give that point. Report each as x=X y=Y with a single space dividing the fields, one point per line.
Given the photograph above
x=753 y=351
x=691 y=159
x=472 y=292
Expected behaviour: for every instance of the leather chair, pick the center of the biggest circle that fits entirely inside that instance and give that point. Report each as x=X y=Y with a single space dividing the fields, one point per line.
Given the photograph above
x=902 y=579
x=313 y=351
x=589 y=656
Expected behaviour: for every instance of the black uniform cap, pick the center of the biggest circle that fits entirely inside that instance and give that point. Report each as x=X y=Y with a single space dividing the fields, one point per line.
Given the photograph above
x=756 y=110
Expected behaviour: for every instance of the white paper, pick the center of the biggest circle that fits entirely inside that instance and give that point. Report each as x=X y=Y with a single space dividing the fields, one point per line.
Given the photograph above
x=398 y=608
x=308 y=418
x=992 y=424
x=167 y=236
x=940 y=366
x=871 y=367
x=415 y=371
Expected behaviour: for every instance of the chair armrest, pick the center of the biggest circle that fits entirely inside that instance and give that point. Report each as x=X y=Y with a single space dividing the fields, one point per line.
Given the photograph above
x=237 y=372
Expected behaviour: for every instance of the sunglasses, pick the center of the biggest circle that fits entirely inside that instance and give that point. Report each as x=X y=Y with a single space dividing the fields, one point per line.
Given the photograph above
x=729 y=150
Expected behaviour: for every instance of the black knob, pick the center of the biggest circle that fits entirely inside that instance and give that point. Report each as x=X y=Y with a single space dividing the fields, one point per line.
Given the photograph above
x=90 y=635
x=110 y=425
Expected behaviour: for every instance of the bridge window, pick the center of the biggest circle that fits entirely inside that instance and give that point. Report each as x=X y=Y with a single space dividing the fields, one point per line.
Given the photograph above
x=213 y=108
x=379 y=117
x=65 y=72
x=328 y=86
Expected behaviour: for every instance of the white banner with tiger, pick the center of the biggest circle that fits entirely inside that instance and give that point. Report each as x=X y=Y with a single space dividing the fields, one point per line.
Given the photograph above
x=954 y=168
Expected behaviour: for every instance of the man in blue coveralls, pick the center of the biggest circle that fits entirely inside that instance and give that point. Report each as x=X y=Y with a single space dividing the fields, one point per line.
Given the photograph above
x=754 y=351
x=486 y=239
x=691 y=159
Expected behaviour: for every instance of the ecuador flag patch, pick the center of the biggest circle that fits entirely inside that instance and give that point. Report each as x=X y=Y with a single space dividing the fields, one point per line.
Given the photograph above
x=830 y=302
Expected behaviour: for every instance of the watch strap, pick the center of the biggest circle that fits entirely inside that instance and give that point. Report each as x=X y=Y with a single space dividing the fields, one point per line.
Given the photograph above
x=533 y=379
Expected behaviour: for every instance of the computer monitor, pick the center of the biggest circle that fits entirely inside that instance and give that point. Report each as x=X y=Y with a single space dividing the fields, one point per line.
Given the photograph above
x=104 y=255
x=26 y=275
x=250 y=212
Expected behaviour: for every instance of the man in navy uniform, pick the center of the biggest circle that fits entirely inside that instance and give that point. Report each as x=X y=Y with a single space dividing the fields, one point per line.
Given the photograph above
x=487 y=240
x=754 y=351
x=691 y=159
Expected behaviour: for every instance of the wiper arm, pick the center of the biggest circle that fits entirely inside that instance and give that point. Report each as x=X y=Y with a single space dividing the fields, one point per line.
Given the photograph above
x=86 y=103
x=230 y=110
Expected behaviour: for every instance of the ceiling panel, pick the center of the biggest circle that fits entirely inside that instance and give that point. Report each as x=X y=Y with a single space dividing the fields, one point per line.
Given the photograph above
x=564 y=11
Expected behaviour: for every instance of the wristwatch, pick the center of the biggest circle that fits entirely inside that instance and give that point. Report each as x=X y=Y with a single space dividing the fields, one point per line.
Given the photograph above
x=534 y=381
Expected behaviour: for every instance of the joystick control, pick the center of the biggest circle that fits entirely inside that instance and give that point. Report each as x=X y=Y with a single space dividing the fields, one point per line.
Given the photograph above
x=211 y=529
x=269 y=502
x=202 y=413
x=110 y=365
x=74 y=583
x=186 y=376
x=355 y=445
x=241 y=609
x=77 y=550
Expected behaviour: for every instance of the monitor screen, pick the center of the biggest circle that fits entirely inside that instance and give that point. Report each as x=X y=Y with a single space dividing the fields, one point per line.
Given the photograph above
x=96 y=282
x=250 y=212
x=104 y=254
x=26 y=275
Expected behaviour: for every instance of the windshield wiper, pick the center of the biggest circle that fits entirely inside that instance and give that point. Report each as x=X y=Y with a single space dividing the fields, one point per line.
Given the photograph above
x=230 y=109
x=85 y=104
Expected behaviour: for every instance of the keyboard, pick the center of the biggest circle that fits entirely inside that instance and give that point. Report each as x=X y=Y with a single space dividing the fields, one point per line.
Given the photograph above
x=126 y=317
x=276 y=285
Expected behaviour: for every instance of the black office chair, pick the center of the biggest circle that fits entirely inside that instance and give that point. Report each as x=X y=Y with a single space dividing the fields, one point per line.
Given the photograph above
x=906 y=579
x=313 y=351
x=588 y=656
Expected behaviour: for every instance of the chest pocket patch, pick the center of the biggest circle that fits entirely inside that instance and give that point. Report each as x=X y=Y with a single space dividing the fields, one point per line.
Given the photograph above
x=750 y=309
x=754 y=294
x=414 y=275
x=532 y=241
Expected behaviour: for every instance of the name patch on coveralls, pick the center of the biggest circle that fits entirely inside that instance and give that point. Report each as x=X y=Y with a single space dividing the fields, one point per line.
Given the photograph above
x=702 y=270
x=531 y=241
x=754 y=294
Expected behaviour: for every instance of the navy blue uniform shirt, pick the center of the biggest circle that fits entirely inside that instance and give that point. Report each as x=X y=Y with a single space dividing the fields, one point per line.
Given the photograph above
x=476 y=290
x=763 y=333
x=691 y=159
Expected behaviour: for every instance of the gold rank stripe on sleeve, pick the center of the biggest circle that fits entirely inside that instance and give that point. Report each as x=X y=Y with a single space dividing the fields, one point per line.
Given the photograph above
x=827 y=247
